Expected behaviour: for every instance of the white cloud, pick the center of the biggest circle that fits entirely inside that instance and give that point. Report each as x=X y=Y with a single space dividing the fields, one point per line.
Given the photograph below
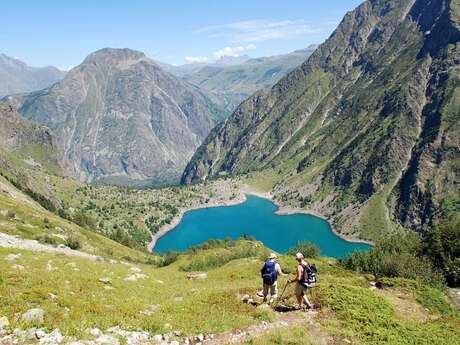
x=66 y=68
x=218 y=54
x=259 y=30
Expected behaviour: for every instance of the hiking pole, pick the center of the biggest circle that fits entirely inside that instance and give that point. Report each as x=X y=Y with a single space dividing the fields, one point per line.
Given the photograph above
x=282 y=293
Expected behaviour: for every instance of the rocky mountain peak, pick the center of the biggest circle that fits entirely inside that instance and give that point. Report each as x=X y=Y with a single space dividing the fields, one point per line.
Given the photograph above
x=122 y=119
x=369 y=122
x=120 y=57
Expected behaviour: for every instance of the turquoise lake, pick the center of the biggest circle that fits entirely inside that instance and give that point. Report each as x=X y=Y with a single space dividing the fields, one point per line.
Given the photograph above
x=255 y=217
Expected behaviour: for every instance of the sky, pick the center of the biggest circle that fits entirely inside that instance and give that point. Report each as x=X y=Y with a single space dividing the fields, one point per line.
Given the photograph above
x=62 y=33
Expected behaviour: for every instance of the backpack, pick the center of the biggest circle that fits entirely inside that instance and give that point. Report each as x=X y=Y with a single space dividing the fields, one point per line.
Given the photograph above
x=309 y=275
x=268 y=272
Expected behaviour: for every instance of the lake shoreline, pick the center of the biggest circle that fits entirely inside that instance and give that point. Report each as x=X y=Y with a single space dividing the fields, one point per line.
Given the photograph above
x=288 y=210
x=241 y=198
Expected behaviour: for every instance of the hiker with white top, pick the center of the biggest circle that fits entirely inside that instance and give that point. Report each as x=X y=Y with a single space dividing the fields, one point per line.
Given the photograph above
x=269 y=273
x=303 y=281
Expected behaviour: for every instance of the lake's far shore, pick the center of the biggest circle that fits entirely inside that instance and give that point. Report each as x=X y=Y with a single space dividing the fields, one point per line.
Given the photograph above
x=241 y=198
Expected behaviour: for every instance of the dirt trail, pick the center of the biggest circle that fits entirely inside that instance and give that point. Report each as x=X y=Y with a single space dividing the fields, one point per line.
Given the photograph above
x=289 y=319
x=8 y=241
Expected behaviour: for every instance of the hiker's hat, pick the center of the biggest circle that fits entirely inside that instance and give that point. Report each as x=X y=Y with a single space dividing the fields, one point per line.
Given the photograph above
x=272 y=256
x=299 y=256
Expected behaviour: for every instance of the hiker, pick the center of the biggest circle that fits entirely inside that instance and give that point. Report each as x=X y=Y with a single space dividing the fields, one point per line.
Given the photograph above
x=302 y=281
x=269 y=272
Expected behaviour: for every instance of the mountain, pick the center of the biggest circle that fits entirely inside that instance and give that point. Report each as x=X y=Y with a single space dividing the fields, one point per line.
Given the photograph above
x=366 y=131
x=17 y=77
x=230 y=80
x=26 y=149
x=122 y=119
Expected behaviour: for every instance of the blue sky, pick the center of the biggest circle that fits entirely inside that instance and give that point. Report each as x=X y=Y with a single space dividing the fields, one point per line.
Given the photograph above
x=62 y=33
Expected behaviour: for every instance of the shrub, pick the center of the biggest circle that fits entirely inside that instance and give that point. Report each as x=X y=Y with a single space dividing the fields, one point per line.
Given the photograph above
x=308 y=249
x=46 y=239
x=397 y=254
x=205 y=260
x=442 y=246
x=73 y=242
x=168 y=259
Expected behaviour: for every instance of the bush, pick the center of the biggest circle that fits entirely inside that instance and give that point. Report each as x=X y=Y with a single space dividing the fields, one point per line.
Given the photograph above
x=397 y=254
x=205 y=260
x=73 y=243
x=46 y=239
x=168 y=259
x=308 y=249
x=442 y=246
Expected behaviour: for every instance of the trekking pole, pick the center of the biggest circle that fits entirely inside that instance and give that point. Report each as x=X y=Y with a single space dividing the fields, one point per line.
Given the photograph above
x=281 y=296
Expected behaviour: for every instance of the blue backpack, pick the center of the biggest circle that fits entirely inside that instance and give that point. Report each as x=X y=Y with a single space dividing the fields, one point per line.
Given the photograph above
x=268 y=272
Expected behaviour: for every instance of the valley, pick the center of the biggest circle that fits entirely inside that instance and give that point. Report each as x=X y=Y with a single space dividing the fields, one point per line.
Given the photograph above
x=140 y=199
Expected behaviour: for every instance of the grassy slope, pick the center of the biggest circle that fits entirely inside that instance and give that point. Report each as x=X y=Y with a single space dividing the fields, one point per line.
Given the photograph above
x=28 y=220
x=350 y=309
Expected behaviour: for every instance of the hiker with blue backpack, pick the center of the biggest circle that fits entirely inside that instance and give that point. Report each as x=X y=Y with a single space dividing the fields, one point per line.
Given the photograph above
x=305 y=279
x=270 y=272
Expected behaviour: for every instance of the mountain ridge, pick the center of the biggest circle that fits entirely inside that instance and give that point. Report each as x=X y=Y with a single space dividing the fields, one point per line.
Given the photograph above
x=340 y=134
x=18 y=77
x=122 y=119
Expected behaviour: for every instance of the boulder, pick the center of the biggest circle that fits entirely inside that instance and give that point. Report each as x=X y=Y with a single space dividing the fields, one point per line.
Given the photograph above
x=55 y=337
x=11 y=257
x=4 y=322
x=197 y=276
x=105 y=280
x=34 y=315
x=105 y=339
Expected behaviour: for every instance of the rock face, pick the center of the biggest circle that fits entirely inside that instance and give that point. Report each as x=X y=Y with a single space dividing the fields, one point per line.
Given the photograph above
x=26 y=148
x=231 y=82
x=17 y=77
x=366 y=131
x=25 y=139
x=122 y=119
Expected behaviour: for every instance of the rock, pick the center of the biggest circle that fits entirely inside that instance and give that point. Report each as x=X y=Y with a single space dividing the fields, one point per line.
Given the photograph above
x=34 y=315
x=158 y=338
x=40 y=333
x=174 y=342
x=4 y=322
x=197 y=276
x=150 y=309
x=95 y=332
x=137 y=338
x=136 y=276
x=18 y=267
x=245 y=298
x=200 y=337
x=178 y=299
x=107 y=340
x=55 y=337
x=177 y=333
x=135 y=269
x=52 y=295
x=160 y=281
x=105 y=280
x=11 y=257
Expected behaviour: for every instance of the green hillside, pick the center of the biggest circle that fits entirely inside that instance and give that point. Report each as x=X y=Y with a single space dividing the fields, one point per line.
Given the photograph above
x=365 y=132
